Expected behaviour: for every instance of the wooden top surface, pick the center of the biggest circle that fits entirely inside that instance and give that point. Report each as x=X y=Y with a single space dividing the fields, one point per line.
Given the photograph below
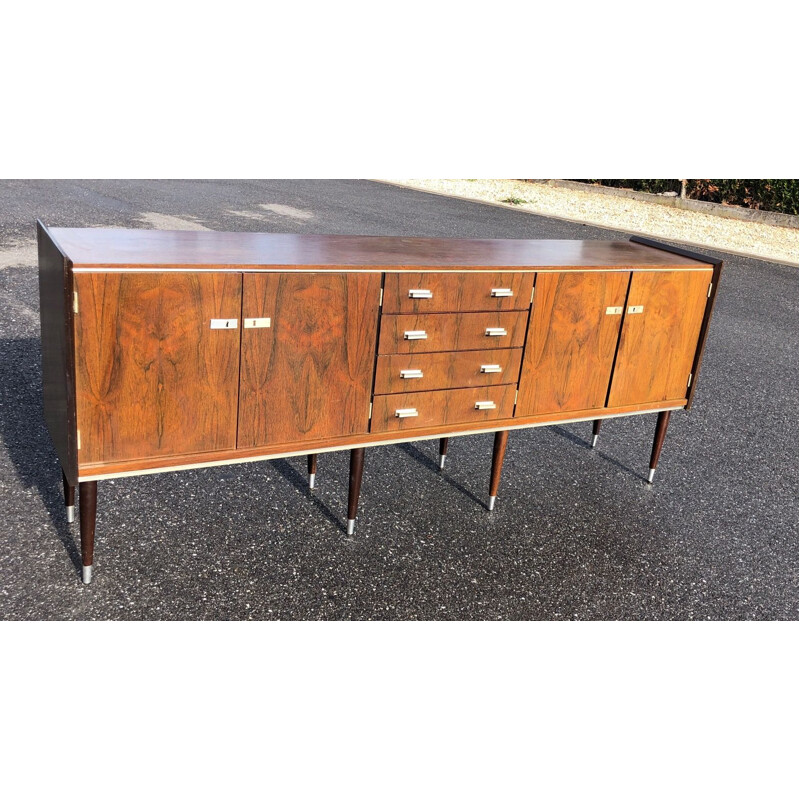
x=132 y=248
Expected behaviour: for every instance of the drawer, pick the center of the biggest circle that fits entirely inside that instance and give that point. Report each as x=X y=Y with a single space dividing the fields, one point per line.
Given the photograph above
x=428 y=333
x=419 y=372
x=399 y=412
x=424 y=292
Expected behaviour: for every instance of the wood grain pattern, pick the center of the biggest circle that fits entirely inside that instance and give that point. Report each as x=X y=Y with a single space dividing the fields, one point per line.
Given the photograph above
x=571 y=342
x=498 y=455
x=162 y=463
x=658 y=346
x=58 y=351
x=447 y=332
x=441 y=408
x=87 y=505
x=461 y=369
x=456 y=292
x=309 y=375
x=115 y=247
x=152 y=377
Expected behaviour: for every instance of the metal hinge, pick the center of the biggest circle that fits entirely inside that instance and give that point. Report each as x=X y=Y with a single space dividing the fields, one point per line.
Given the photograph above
x=74 y=302
x=690 y=381
x=79 y=439
x=516 y=395
x=710 y=287
x=380 y=302
x=370 y=411
x=533 y=289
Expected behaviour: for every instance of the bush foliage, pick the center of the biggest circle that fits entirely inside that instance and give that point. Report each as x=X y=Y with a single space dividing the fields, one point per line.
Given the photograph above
x=767 y=194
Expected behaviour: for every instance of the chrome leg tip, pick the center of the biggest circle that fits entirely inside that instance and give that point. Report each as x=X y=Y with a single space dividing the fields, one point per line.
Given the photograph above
x=70 y=513
x=441 y=461
x=594 y=441
x=492 y=501
x=650 y=475
x=311 y=479
x=351 y=526
x=86 y=574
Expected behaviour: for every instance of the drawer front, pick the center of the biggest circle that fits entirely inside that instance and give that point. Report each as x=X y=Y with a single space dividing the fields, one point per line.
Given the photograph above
x=399 y=412
x=424 y=292
x=429 y=333
x=418 y=372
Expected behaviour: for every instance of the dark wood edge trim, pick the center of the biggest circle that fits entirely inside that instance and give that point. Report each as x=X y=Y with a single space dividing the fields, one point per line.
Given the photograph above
x=69 y=457
x=678 y=251
x=291 y=449
x=701 y=345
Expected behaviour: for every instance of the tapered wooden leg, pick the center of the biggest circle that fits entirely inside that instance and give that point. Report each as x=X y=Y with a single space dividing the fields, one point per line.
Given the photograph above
x=498 y=454
x=312 y=470
x=658 y=441
x=356 y=471
x=443 y=442
x=87 y=497
x=595 y=432
x=69 y=498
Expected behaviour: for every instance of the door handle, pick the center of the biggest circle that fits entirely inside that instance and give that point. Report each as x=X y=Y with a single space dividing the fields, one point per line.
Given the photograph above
x=491 y=368
x=635 y=309
x=257 y=322
x=410 y=373
x=420 y=294
x=406 y=412
x=496 y=332
x=222 y=324
x=502 y=292
x=485 y=405
x=613 y=310
x=415 y=335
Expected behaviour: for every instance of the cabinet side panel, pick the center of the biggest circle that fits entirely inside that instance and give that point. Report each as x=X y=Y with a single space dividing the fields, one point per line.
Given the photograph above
x=58 y=354
x=308 y=374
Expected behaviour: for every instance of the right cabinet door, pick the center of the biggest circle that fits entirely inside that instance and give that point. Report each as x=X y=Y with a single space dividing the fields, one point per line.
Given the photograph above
x=572 y=337
x=660 y=332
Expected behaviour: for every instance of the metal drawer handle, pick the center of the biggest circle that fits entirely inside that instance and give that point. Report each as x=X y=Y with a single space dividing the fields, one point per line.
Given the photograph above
x=406 y=412
x=491 y=368
x=496 y=332
x=217 y=324
x=420 y=294
x=614 y=310
x=410 y=373
x=485 y=405
x=502 y=292
x=257 y=322
x=635 y=309
x=415 y=335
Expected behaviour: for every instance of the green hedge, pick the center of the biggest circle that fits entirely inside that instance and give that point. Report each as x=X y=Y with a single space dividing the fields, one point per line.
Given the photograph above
x=767 y=194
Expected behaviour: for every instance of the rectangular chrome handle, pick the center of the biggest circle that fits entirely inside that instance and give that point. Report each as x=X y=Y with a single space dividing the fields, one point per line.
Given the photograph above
x=491 y=368
x=406 y=412
x=614 y=310
x=420 y=294
x=496 y=332
x=257 y=322
x=415 y=335
x=635 y=309
x=221 y=324
x=410 y=373
x=485 y=405
x=502 y=292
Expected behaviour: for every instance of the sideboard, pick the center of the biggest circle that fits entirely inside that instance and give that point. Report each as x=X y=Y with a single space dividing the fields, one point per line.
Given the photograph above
x=168 y=350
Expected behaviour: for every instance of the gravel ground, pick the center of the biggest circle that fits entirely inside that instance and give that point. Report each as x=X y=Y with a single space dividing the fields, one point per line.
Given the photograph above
x=577 y=533
x=750 y=238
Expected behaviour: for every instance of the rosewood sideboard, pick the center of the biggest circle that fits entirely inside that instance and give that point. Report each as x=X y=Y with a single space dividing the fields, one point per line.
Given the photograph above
x=167 y=350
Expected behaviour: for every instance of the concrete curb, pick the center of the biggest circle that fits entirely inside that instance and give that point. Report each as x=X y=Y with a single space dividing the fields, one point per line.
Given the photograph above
x=508 y=207
x=704 y=207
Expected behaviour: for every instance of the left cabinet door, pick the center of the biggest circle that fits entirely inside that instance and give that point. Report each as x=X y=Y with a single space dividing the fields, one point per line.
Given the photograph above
x=308 y=356
x=157 y=363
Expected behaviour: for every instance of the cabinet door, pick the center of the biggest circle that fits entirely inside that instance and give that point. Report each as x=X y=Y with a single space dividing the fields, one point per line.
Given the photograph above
x=307 y=373
x=659 y=337
x=571 y=341
x=153 y=377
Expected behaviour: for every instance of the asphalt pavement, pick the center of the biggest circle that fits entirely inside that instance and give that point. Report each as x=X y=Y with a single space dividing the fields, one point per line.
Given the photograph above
x=576 y=534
